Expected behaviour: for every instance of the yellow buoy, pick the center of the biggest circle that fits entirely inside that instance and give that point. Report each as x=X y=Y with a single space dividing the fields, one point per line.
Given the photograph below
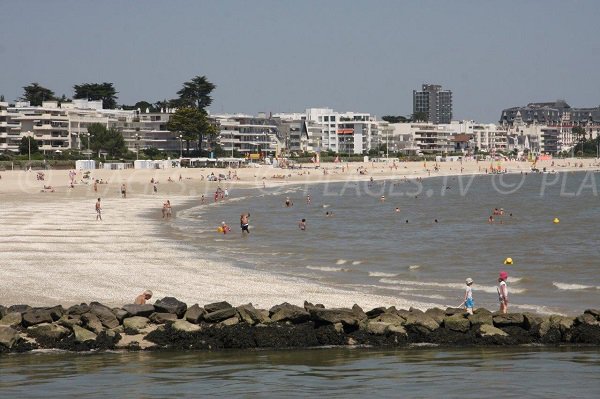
x=220 y=229
x=556 y=221
x=508 y=261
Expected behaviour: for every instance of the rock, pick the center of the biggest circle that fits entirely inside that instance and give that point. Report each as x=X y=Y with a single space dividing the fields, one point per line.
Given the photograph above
x=134 y=342
x=453 y=311
x=185 y=326
x=48 y=331
x=92 y=322
x=390 y=318
x=593 y=312
x=375 y=312
x=479 y=318
x=457 y=322
x=347 y=317
x=402 y=313
x=508 y=320
x=414 y=310
x=3 y=311
x=563 y=323
x=105 y=315
x=249 y=315
x=308 y=305
x=194 y=314
x=482 y=311
x=339 y=328
x=288 y=312
x=139 y=310
x=120 y=314
x=213 y=307
x=70 y=320
x=420 y=323
x=358 y=311
x=220 y=315
x=487 y=330
x=377 y=327
x=56 y=312
x=231 y=321
x=36 y=316
x=170 y=304
x=532 y=322
x=83 y=335
x=135 y=323
x=8 y=336
x=18 y=309
x=11 y=319
x=436 y=314
x=162 y=318
x=78 y=309
x=397 y=330
x=587 y=318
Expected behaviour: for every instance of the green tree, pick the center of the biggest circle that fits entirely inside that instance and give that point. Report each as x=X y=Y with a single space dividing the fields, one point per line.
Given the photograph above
x=420 y=117
x=36 y=94
x=1 y=98
x=192 y=124
x=108 y=140
x=97 y=91
x=151 y=152
x=395 y=119
x=24 y=145
x=196 y=93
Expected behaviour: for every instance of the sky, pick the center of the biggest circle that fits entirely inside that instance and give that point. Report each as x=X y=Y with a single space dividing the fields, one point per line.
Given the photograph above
x=289 y=55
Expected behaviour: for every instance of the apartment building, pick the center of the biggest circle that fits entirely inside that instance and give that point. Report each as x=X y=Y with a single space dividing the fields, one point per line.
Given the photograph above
x=435 y=102
x=248 y=134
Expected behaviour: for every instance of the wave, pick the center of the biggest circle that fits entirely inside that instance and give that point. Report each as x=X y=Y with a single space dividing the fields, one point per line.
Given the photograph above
x=381 y=274
x=457 y=286
x=327 y=268
x=341 y=262
x=414 y=267
x=356 y=262
x=564 y=286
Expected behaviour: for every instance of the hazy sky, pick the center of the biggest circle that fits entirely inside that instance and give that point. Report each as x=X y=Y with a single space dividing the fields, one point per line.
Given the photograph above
x=281 y=56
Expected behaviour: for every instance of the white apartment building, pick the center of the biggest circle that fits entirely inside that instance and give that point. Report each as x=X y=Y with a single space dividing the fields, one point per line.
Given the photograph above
x=248 y=134
x=345 y=132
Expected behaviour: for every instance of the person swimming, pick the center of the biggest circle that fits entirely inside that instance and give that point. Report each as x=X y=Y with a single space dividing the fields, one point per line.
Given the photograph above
x=302 y=224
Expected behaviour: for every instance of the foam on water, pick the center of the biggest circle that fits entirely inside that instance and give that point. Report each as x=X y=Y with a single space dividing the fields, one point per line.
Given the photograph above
x=327 y=268
x=414 y=267
x=356 y=262
x=341 y=262
x=457 y=286
x=565 y=286
x=381 y=274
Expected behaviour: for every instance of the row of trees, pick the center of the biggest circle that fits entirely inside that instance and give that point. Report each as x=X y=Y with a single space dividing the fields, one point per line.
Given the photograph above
x=415 y=117
x=36 y=94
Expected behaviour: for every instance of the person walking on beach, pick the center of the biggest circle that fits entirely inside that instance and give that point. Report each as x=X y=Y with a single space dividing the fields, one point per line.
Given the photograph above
x=164 y=210
x=143 y=297
x=244 y=223
x=98 y=210
x=169 y=210
x=503 y=292
x=468 y=299
x=123 y=191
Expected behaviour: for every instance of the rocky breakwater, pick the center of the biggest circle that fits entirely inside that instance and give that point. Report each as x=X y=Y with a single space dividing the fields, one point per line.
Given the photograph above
x=171 y=324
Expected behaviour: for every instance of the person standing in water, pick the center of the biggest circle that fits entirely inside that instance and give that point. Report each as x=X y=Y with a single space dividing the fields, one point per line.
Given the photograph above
x=98 y=210
x=302 y=224
x=503 y=292
x=244 y=223
x=468 y=299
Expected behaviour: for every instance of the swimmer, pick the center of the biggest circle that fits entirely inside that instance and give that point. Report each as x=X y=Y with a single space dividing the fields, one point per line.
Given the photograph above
x=308 y=199
x=435 y=220
x=491 y=219
x=382 y=199
x=288 y=202
x=302 y=224
x=244 y=223
x=397 y=209
x=224 y=228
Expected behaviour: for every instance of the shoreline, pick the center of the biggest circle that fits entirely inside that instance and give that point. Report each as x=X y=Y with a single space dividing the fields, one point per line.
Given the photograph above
x=82 y=256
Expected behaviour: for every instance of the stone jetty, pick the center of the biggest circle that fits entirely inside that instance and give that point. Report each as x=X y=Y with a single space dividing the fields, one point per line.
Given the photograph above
x=172 y=324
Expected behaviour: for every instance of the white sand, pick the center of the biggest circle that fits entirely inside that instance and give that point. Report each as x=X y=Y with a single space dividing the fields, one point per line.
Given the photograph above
x=53 y=251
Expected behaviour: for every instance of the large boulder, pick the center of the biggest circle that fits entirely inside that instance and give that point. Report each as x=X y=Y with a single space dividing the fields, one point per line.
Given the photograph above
x=170 y=304
x=587 y=318
x=563 y=323
x=36 y=316
x=487 y=330
x=135 y=323
x=436 y=314
x=391 y=318
x=78 y=309
x=120 y=314
x=18 y=309
x=70 y=320
x=213 y=307
x=288 y=312
x=11 y=319
x=48 y=331
x=91 y=322
x=377 y=327
x=457 y=322
x=105 y=315
x=194 y=314
x=479 y=318
x=185 y=326
x=83 y=335
x=420 y=323
x=375 y=312
x=3 y=311
x=347 y=317
x=139 y=310
x=56 y=312
x=162 y=318
x=220 y=315
x=359 y=312
x=8 y=336
x=509 y=320
x=249 y=314
x=593 y=312
x=232 y=321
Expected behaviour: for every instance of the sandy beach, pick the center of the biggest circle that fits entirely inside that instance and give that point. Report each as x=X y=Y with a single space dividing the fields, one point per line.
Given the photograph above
x=53 y=251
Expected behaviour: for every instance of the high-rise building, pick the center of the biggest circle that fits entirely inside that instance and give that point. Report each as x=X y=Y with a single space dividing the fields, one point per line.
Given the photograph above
x=434 y=102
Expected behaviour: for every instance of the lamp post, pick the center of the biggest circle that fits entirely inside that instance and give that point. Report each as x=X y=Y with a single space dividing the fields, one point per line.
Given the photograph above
x=88 y=140
x=137 y=145
x=180 y=147
x=29 y=135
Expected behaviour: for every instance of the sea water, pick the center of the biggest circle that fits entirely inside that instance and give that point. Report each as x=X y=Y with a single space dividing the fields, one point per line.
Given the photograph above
x=370 y=247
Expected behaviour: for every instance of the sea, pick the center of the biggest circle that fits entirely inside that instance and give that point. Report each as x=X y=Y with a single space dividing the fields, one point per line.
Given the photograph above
x=411 y=239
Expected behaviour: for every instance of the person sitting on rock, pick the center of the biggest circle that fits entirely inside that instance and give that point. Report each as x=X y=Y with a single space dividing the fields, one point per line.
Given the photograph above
x=143 y=297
